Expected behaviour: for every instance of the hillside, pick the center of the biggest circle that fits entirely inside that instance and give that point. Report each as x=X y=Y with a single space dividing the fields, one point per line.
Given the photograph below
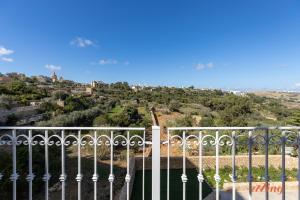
x=289 y=99
x=67 y=103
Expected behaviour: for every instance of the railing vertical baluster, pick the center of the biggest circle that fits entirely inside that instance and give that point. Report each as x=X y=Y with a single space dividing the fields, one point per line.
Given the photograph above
x=267 y=164
x=184 y=177
x=250 y=178
x=144 y=140
x=111 y=175
x=283 y=176
x=217 y=176
x=1 y=175
x=127 y=178
x=46 y=176
x=155 y=163
x=79 y=175
x=233 y=166
x=95 y=175
x=298 y=142
x=200 y=160
x=62 y=177
x=168 y=167
x=14 y=176
x=30 y=175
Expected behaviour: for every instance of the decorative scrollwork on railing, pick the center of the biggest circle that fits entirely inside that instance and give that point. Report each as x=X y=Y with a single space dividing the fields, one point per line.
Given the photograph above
x=242 y=139
x=275 y=139
x=87 y=139
x=205 y=140
x=103 y=139
x=139 y=142
x=291 y=138
x=24 y=141
x=192 y=141
x=51 y=140
x=72 y=139
x=67 y=142
x=225 y=139
x=4 y=141
x=176 y=140
x=41 y=141
x=259 y=139
x=120 y=140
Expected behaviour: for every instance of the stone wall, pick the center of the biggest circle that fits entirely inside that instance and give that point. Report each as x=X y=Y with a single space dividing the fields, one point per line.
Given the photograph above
x=210 y=162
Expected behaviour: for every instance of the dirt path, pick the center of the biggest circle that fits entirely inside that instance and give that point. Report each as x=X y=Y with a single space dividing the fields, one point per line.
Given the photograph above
x=162 y=121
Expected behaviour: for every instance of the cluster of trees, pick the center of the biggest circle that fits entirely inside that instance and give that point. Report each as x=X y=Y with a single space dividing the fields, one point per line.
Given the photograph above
x=76 y=118
x=216 y=107
x=22 y=92
x=127 y=116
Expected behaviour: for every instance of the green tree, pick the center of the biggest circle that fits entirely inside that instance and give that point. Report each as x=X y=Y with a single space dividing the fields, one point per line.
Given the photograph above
x=17 y=87
x=174 y=106
x=295 y=118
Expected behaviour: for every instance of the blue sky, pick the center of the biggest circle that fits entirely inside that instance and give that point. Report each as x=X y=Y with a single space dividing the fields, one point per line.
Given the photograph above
x=232 y=44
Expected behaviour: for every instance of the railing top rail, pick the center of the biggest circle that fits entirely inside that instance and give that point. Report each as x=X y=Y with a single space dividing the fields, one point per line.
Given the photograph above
x=72 y=128
x=234 y=128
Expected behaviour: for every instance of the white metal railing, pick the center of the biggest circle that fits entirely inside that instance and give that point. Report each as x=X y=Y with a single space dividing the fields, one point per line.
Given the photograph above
x=63 y=137
x=186 y=137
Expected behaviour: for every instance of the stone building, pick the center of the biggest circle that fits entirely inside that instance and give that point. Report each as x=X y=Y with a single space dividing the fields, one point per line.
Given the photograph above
x=54 y=77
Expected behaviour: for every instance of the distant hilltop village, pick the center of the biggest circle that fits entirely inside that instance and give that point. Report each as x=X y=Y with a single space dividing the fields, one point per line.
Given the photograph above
x=43 y=81
x=4 y=78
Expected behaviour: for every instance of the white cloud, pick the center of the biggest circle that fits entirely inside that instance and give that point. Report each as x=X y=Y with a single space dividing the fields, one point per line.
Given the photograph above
x=297 y=84
x=108 y=61
x=53 y=67
x=5 y=59
x=201 y=66
x=82 y=42
x=5 y=52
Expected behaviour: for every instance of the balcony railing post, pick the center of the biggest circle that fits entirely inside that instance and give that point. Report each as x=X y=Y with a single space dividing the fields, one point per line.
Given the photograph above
x=155 y=163
x=46 y=175
x=217 y=176
x=111 y=175
x=63 y=176
x=184 y=177
x=95 y=175
x=128 y=177
x=30 y=175
x=168 y=167
x=200 y=160
x=283 y=175
x=250 y=178
x=298 y=142
x=14 y=176
x=79 y=175
x=234 y=178
x=267 y=163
